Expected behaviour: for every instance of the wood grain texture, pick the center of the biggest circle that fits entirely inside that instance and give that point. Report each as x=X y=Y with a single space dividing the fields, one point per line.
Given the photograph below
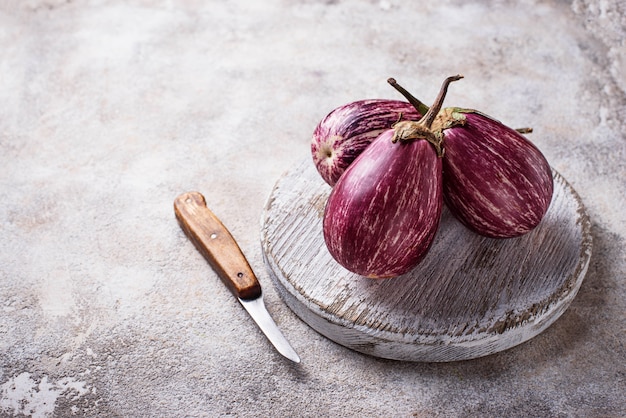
x=216 y=244
x=470 y=297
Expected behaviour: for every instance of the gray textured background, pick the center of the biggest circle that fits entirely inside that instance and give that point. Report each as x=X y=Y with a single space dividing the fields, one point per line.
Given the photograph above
x=108 y=110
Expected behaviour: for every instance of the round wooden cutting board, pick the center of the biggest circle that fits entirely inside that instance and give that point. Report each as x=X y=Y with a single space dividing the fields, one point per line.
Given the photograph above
x=470 y=297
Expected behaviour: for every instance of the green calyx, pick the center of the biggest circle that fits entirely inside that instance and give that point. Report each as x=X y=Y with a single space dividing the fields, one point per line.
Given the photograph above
x=449 y=118
x=405 y=131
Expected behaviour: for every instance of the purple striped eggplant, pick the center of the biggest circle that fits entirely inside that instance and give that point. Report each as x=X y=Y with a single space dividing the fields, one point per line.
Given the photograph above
x=495 y=181
x=383 y=213
x=346 y=131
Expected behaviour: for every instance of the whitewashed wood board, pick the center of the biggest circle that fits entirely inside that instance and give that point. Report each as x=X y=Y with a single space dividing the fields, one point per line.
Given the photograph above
x=471 y=296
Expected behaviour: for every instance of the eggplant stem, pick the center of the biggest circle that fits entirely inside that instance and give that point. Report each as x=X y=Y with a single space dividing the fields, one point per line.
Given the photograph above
x=429 y=117
x=404 y=131
x=421 y=107
x=417 y=104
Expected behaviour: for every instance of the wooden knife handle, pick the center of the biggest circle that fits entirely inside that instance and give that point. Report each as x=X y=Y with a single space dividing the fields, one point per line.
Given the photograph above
x=217 y=245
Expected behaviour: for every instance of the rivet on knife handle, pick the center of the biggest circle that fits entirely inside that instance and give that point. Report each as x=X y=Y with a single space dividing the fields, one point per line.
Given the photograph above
x=217 y=245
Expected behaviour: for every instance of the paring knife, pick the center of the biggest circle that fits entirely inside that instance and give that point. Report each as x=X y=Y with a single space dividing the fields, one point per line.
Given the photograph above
x=221 y=250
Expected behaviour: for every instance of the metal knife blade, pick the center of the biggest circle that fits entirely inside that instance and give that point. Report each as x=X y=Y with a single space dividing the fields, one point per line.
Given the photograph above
x=222 y=252
x=256 y=309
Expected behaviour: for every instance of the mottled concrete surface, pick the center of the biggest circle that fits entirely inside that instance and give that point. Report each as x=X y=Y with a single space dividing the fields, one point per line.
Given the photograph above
x=108 y=110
